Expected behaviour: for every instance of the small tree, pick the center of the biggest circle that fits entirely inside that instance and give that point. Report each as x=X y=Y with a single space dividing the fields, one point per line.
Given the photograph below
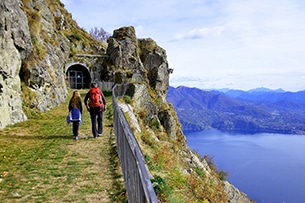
x=99 y=34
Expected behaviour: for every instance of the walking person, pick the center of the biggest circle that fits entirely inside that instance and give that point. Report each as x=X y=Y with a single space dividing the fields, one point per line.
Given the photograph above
x=75 y=112
x=96 y=106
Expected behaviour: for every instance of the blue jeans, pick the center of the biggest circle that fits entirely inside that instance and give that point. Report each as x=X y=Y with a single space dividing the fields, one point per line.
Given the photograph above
x=96 y=120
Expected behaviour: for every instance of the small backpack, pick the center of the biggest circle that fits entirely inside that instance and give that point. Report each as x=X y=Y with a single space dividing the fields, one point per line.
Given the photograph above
x=95 y=98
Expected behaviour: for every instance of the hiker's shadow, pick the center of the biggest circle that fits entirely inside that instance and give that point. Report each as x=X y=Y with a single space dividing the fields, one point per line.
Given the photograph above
x=65 y=137
x=31 y=137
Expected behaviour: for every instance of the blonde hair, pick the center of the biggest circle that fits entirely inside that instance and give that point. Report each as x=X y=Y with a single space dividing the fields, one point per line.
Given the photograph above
x=76 y=99
x=76 y=94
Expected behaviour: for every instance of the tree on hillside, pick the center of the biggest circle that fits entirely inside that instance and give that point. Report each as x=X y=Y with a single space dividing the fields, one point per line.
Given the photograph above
x=99 y=34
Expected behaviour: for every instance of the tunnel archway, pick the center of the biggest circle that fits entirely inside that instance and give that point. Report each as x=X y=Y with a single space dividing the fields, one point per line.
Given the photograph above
x=78 y=76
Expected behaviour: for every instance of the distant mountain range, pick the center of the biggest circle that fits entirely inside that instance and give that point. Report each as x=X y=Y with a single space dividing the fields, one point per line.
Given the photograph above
x=253 y=111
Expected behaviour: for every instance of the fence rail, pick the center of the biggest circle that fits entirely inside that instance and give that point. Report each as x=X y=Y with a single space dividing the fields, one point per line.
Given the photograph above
x=137 y=182
x=105 y=85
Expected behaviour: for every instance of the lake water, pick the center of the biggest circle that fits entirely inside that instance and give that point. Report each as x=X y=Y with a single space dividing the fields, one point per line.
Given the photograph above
x=269 y=168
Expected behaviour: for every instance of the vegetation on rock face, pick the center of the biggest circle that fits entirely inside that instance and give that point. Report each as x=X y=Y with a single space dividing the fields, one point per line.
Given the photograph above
x=28 y=96
x=175 y=178
x=62 y=23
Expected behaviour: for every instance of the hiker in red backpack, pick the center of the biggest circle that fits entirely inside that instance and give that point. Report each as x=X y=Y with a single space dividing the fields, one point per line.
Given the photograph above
x=96 y=106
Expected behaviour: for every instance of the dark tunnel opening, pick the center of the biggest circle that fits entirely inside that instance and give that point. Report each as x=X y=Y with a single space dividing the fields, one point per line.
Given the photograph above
x=78 y=77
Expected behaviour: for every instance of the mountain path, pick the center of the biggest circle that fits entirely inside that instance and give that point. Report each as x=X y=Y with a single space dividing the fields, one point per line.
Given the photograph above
x=96 y=151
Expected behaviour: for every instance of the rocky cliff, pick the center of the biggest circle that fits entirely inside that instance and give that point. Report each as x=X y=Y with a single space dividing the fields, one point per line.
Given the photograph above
x=16 y=45
x=39 y=38
x=143 y=65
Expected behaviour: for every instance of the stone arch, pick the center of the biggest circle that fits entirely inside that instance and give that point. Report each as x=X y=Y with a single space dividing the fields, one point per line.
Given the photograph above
x=78 y=75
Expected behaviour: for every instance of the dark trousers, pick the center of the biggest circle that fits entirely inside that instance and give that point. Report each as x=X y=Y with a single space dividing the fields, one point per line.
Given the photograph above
x=75 y=128
x=96 y=120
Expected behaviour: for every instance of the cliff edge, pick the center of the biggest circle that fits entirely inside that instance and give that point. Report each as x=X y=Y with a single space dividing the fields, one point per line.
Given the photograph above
x=142 y=66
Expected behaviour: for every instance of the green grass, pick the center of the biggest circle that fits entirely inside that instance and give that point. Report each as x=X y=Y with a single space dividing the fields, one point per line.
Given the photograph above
x=40 y=162
x=38 y=165
x=31 y=153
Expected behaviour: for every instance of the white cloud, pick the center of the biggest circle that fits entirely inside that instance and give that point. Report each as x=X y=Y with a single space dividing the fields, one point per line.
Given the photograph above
x=230 y=41
x=198 y=33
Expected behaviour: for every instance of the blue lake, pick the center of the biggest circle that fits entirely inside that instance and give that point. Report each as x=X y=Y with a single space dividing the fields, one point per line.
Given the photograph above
x=269 y=168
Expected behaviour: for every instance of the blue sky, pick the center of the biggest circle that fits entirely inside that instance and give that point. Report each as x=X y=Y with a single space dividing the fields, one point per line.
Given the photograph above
x=212 y=44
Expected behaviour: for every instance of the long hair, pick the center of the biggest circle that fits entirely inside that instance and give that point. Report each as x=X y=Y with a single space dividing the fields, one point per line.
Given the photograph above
x=75 y=99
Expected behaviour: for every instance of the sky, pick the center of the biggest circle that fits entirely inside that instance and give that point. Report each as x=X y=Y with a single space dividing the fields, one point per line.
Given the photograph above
x=213 y=44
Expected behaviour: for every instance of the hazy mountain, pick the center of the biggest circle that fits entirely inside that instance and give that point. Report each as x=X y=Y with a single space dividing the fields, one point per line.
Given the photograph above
x=253 y=111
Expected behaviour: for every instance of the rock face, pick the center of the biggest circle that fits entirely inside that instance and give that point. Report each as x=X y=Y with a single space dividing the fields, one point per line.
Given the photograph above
x=138 y=60
x=154 y=60
x=15 y=43
x=43 y=71
x=144 y=64
x=36 y=38
x=124 y=55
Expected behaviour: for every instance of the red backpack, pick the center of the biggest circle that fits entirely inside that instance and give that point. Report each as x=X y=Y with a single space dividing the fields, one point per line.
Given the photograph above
x=95 y=98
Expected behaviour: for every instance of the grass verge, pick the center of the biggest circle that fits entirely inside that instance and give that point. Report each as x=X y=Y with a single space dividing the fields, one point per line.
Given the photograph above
x=40 y=162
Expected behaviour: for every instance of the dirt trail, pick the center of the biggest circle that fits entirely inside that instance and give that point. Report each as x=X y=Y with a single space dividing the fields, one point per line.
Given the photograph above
x=95 y=151
x=102 y=171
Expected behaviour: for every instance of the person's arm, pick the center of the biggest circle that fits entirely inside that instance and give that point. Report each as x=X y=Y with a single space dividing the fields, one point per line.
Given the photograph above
x=103 y=100
x=86 y=100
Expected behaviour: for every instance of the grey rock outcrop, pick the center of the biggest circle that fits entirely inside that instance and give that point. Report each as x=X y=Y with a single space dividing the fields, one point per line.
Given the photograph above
x=154 y=60
x=144 y=64
x=124 y=55
x=46 y=76
x=15 y=43
x=138 y=60
x=235 y=195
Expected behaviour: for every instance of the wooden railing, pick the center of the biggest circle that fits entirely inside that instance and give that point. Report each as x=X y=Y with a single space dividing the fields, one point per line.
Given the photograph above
x=137 y=182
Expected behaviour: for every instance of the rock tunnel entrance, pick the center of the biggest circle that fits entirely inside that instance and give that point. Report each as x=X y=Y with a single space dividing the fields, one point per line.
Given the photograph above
x=78 y=76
